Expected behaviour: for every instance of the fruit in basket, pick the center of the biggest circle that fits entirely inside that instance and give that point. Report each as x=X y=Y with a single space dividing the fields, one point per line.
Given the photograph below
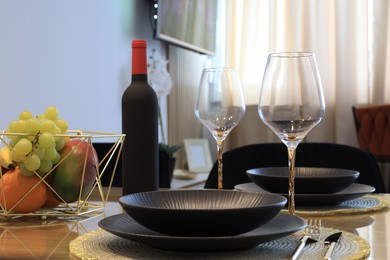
x=71 y=176
x=52 y=201
x=14 y=186
x=37 y=150
x=5 y=159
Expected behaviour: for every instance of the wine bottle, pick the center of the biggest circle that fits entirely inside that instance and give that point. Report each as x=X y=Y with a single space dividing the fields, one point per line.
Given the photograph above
x=140 y=162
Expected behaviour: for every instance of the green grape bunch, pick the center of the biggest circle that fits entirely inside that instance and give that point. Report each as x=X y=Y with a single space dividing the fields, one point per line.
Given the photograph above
x=36 y=141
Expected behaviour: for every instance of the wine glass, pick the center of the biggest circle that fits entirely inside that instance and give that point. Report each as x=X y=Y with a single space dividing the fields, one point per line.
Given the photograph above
x=291 y=102
x=220 y=106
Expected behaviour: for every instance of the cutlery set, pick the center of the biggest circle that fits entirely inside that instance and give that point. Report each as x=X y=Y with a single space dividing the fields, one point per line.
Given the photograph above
x=312 y=234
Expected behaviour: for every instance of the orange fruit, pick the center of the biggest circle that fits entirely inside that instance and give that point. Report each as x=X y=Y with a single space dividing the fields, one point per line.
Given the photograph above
x=51 y=201
x=14 y=186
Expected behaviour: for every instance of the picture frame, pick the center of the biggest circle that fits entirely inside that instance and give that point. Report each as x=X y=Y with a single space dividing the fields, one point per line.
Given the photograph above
x=187 y=24
x=198 y=155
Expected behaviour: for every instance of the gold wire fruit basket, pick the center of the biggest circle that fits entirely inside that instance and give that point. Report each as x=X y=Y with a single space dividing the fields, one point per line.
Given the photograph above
x=91 y=199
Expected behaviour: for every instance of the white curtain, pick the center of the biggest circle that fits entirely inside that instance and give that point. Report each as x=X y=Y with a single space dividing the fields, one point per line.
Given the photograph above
x=348 y=37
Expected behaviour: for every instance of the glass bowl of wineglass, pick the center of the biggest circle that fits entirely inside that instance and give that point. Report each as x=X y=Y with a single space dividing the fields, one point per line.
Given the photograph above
x=220 y=106
x=291 y=102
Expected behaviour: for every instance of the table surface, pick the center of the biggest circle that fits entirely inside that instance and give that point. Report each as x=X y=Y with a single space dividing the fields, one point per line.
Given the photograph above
x=196 y=181
x=37 y=238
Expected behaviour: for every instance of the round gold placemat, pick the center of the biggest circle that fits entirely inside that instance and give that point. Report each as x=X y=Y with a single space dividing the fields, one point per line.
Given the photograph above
x=365 y=204
x=103 y=245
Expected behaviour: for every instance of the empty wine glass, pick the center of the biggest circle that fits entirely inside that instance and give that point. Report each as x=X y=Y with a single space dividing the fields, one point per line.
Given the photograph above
x=220 y=105
x=291 y=102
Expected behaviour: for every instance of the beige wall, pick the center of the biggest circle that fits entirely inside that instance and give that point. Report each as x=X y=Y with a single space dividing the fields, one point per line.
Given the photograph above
x=185 y=68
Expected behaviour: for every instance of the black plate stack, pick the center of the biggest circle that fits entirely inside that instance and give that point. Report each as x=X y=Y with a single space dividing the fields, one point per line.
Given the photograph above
x=202 y=220
x=313 y=186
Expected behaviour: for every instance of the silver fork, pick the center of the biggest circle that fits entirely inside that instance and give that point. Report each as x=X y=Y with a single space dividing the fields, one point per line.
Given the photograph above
x=312 y=233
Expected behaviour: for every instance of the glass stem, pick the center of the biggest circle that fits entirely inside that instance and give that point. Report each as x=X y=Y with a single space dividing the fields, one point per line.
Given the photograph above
x=220 y=177
x=291 y=179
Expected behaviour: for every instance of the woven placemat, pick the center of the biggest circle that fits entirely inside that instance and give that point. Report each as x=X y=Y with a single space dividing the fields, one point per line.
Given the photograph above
x=103 y=245
x=365 y=204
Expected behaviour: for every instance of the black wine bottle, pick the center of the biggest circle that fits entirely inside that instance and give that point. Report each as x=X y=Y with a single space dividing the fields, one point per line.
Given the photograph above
x=140 y=163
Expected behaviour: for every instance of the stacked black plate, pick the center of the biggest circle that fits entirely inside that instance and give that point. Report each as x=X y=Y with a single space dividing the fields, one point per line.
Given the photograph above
x=313 y=186
x=202 y=220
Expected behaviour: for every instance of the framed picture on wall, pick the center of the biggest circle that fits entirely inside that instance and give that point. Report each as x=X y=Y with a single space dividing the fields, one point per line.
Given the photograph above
x=198 y=155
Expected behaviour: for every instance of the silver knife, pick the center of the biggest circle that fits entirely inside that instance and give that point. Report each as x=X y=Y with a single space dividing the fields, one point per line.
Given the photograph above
x=332 y=240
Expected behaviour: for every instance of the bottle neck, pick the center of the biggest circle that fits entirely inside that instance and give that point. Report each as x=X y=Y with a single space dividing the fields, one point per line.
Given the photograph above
x=139 y=77
x=139 y=64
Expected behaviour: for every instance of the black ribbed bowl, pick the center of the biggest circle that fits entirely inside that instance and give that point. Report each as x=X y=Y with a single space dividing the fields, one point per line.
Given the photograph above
x=202 y=212
x=307 y=180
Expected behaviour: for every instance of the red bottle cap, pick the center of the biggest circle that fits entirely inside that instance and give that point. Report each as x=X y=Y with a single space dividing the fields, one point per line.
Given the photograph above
x=139 y=44
x=139 y=64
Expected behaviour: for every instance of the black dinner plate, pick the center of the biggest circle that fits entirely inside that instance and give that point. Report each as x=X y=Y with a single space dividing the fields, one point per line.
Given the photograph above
x=354 y=191
x=308 y=180
x=124 y=226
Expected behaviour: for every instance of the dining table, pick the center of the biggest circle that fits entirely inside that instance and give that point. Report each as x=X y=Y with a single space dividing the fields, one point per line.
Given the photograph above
x=54 y=237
